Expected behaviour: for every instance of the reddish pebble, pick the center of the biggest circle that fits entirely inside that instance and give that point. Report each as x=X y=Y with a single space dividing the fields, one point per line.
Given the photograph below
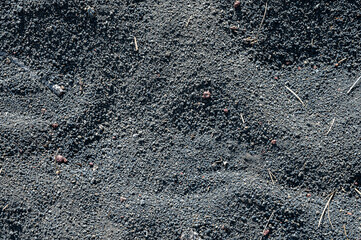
x=236 y=4
x=114 y=137
x=225 y=111
x=60 y=159
x=314 y=67
x=234 y=28
x=55 y=125
x=91 y=164
x=266 y=232
x=206 y=94
x=43 y=110
x=308 y=195
x=273 y=142
x=276 y=78
x=299 y=68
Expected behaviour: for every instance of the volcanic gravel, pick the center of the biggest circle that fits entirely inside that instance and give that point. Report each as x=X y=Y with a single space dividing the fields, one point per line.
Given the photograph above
x=180 y=119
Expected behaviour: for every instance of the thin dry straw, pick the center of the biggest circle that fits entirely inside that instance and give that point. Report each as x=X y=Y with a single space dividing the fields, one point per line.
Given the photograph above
x=332 y=122
x=324 y=210
x=353 y=85
x=269 y=219
x=264 y=16
x=299 y=99
x=136 y=44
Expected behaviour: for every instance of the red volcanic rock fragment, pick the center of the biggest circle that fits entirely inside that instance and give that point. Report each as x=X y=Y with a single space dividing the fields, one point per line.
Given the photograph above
x=60 y=159
x=236 y=4
x=206 y=94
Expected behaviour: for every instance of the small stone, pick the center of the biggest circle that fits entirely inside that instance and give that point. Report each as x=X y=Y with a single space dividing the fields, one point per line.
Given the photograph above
x=226 y=111
x=236 y=4
x=91 y=164
x=234 y=28
x=90 y=11
x=122 y=199
x=190 y=235
x=55 y=125
x=58 y=90
x=206 y=94
x=60 y=159
x=168 y=54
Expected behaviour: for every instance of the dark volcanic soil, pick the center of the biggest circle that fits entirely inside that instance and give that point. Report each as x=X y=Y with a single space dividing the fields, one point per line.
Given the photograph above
x=119 y=88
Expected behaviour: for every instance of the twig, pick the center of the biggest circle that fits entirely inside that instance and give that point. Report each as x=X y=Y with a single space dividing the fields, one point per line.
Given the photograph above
x=324 y=210
x=328 y=215
x=353 y=85
x=344 y=230
x=56 y=153
x=253 y=40
x=5 y=207
x=242 y=118
x=260 y=26
x=332 y=122
x=270 y=175
x=357 y=191
x=299 y=99
x=265 y=227
x=136 y=44
x=342 y=60
x=189 y=19
x=217 y=162
x=274 y=177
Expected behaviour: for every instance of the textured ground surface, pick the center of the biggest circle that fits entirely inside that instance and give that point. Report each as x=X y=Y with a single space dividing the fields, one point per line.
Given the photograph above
x=148 y=157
